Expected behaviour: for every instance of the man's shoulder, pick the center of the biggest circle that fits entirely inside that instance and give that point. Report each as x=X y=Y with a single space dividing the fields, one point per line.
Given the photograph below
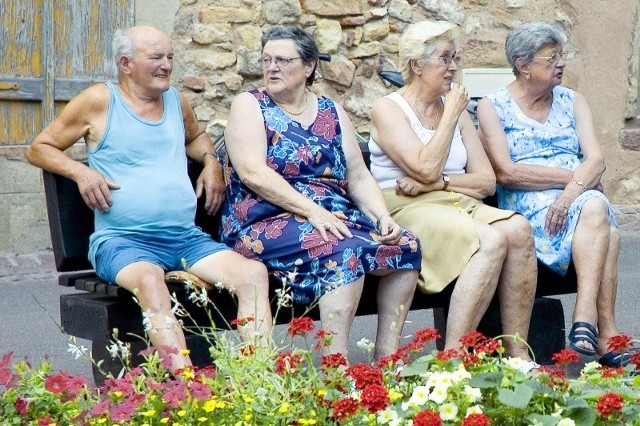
x=96 y=96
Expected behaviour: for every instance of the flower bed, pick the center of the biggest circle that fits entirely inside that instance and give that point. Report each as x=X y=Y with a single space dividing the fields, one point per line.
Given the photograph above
x=474 y=385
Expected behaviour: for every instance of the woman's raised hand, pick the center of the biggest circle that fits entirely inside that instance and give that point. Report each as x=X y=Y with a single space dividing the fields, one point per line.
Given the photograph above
x=456 y=100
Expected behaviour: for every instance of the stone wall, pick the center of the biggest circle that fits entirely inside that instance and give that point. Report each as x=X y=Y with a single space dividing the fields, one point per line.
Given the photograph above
x=217 y=43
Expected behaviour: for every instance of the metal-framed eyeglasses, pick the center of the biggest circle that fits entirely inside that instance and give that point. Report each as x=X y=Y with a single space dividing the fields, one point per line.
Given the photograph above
x=281 y=62
x=553 y=59
x=447 y=59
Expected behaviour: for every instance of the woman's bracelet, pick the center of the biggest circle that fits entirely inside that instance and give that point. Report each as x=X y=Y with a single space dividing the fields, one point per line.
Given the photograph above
x=380 y=219
x=582 y=185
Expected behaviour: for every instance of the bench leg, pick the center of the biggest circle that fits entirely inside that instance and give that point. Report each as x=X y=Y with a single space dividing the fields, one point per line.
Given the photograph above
x=440 y=323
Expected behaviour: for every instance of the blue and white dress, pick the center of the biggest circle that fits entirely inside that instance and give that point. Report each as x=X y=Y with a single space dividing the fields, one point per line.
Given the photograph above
x=553 y=143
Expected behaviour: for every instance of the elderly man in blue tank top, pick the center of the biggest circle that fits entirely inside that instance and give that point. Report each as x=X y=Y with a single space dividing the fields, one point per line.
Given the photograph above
x=138 y=134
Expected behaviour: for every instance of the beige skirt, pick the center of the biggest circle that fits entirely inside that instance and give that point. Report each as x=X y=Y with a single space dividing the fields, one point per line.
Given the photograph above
x=443 y=220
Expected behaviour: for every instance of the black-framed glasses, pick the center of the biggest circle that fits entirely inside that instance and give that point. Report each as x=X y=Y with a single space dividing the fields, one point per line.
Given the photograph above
x=447 y=59
x=553 y=59
x=281 y=62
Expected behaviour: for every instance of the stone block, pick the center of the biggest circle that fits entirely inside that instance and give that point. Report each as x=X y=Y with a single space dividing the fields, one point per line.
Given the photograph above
x=629 y=136
x=281 y=11
x=375 y=29
x=207 y=61
x=364 y=49
x=333 y=8
x=226 y=14
x=218 y=32
x=328 y=35
x=340 y=70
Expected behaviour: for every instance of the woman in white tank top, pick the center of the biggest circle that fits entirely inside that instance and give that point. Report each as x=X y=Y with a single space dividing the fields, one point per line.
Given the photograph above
x=428 y=159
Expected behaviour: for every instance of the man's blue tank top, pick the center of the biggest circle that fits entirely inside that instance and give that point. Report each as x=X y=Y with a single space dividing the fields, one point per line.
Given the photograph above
x=148 y=160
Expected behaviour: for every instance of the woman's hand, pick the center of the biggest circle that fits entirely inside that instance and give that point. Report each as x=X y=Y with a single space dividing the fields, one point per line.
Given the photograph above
x=558 y=212
x=390 y=231
x=456 y=100
x=410 y=187
x=323 y=220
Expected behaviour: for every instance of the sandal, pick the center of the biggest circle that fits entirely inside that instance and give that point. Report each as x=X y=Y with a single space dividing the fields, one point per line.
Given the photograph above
x=583 y=332
x=615 y=359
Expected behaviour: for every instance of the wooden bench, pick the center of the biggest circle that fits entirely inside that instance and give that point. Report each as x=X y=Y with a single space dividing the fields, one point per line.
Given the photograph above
x=97 y=309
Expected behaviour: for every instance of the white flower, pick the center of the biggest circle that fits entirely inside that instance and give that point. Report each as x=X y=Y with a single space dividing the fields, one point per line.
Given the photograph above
x=388 y=417
x=474 y=409
x=199 y=296
x=440 y=379
x=113 y=350
x=78 y=351
x=460 y=374
x=448 y=411
x=284 y=298
x=566 y=422
x=118 y=349
x=474 y=394
x=218 y=286
x=420 y=395
x=438 y=394
x=146 y=319
x=516 y=363
x=591 y=366
x=365 y=344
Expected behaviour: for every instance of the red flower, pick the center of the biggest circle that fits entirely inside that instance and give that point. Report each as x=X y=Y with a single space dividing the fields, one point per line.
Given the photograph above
x=21 y=405
x=241 y=322
x=375 y=398
x=333 y=360
x=472 y=339
x=365 y=375
x=635 y=360
x=344 y=408
x=46 y=421
x=619 y=343
x=324 y=338
x=608 y=403
x=274 y=229
x=56 y=383
x=421 y=339
x=476 y=419
x=6 y=359
x=385 y=253
x=565 y=357
x=5 y=376
x=427 y=418
x=300 y=326
x=287 y=362
x=446 y=355
x=325 y=124
x=609 y=372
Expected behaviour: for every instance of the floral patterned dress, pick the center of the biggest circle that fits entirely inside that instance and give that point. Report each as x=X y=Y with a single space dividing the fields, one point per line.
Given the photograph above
x=313 y=163
x=553 y=143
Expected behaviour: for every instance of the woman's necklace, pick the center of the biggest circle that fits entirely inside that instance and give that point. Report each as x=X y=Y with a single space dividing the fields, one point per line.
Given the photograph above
x=294 y=113
x=414 y=106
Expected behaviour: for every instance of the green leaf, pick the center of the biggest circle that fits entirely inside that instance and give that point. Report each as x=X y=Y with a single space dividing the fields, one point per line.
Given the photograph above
x=543 y=420
x=416 y=368
x=486 y=380
x=517 y=398
x=583 y=416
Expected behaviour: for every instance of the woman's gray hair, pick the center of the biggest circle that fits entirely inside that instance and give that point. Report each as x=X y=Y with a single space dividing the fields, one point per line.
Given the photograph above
x=525 y=40
x=418 y=42
x=305 y=46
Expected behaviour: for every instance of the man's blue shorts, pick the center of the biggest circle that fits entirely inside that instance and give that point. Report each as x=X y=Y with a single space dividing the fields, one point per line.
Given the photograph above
x=169 y=252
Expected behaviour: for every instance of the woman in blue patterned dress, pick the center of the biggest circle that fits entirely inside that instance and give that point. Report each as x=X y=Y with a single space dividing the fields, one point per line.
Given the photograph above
x=541 y=142
x=300 y=198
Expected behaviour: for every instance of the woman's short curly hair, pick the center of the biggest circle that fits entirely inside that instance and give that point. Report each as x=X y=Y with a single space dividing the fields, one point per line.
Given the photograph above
x=418 y=42
x=525 y=40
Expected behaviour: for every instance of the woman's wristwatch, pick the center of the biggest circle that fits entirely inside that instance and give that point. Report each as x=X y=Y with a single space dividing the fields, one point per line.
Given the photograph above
x=445 y=179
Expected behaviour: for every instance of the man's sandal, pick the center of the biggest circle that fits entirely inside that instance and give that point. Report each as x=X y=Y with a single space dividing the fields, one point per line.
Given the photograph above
x=583 y=332
x=183 y=276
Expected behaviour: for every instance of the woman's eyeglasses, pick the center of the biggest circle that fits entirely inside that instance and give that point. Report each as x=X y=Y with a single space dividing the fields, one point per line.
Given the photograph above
x=265 y=62
x=447 y=59
x=553 y=59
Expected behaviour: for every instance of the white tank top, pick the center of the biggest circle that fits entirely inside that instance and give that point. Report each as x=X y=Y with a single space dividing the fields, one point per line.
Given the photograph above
x=386 y=172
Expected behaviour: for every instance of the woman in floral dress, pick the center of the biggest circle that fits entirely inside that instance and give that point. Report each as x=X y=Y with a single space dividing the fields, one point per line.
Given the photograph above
x=300 y=198
x=542 y=144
